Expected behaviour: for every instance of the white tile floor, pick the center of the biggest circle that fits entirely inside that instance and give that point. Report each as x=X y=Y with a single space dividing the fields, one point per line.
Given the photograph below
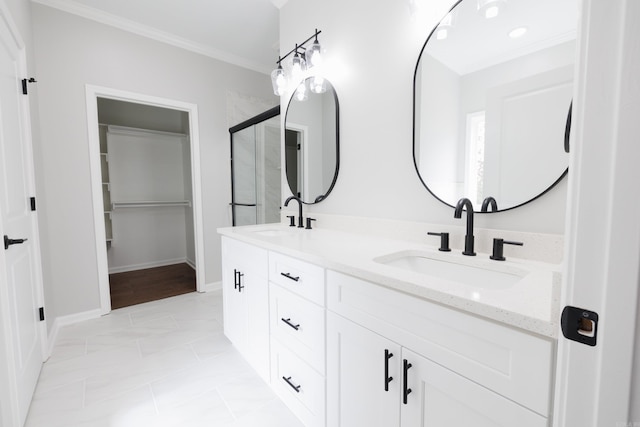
x=165 y=363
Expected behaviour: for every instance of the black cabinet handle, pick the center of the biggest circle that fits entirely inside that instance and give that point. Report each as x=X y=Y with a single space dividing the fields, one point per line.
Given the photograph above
x=387 y=379
x=405 y=389
x=237 y=280
x=292 y=385
x=288 y=322
x=8 y=242
x=289 y=276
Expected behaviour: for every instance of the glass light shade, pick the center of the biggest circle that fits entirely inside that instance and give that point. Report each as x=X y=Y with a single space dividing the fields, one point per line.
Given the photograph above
x=317 y=84
x=314 y=54
x=298 y=66
x=301 y=93
x=279 y=81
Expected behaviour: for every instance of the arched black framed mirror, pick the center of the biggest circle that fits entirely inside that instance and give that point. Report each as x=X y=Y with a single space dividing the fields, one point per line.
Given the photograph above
x=491 y=97
x=312 y=135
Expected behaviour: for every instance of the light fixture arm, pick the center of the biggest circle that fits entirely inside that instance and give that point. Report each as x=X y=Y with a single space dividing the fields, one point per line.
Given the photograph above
x=299 y=46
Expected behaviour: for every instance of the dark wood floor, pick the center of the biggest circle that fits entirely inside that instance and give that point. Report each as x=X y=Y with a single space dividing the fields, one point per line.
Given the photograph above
x=136 y=287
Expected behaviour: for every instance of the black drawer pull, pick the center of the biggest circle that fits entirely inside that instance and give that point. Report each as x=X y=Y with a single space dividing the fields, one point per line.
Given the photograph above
x=288 y=322
x=292 y=385
x=387 y=379
x=289 y=276
x=405 y=389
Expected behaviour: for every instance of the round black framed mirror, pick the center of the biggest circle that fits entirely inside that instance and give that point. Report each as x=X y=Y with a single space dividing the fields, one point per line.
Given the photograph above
x=312 y=140
x=491 y=95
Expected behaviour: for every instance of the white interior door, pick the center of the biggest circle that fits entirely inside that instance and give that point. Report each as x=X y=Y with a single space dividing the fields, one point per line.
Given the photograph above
x=596 y=384
x=20 y=294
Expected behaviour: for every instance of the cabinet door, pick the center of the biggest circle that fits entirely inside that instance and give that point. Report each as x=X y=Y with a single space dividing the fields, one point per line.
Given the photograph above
x=256 y=288
x=245 y=290
x=234 y=301
x=440 y=397
x=356 y=377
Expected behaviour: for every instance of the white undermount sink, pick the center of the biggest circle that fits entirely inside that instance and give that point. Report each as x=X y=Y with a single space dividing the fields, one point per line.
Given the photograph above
x=480 y=275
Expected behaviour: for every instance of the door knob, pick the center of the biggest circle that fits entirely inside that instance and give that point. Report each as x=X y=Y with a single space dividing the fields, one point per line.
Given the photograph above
x=8 y=242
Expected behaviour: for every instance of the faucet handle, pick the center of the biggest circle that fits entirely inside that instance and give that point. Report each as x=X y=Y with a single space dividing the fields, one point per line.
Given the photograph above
x=308 y=227
x=498 y=248
x=292 y=220
x=444 y=241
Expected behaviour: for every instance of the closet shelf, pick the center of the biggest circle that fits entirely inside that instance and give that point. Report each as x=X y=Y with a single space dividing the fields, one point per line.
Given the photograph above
x=149 y=204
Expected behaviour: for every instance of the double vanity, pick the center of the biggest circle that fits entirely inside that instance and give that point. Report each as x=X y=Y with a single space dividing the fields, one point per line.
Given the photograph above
x=355 y=322
x=355 y=329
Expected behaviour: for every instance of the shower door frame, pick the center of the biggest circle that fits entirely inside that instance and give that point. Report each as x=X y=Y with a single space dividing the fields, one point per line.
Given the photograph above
x=272 y=112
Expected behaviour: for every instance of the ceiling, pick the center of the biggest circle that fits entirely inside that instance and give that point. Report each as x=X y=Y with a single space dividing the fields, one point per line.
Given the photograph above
x=241 y=32
x=475 y=43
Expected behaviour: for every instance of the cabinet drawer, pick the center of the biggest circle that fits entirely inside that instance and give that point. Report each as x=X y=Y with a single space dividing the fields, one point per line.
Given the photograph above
x=297 y=276
x=299 y=386
x=299 y=325
x=512 y=363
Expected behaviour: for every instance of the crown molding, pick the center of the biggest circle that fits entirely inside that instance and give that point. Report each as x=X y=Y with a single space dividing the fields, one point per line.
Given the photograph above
x=102 y=17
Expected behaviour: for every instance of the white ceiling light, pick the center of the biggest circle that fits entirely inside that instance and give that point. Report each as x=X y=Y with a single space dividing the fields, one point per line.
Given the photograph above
x=491 y=8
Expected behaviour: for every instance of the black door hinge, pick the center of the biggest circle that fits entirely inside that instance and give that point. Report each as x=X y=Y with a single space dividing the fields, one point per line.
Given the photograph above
x=41 y=312
x=32 y=200
x=24 y=84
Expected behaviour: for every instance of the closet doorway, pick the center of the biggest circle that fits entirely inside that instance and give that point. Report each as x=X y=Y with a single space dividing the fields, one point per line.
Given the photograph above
x=145 y=173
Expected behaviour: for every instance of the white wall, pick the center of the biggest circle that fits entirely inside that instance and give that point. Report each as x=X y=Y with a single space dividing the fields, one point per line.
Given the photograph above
x=72 y=52
x=439 y=120
x=372 y=50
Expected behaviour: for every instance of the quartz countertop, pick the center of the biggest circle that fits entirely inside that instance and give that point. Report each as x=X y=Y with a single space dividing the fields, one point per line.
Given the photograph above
x=532 y=304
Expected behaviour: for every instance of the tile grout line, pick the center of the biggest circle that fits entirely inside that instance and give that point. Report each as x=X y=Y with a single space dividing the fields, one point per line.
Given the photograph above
x=226 y=404
x=153 y=396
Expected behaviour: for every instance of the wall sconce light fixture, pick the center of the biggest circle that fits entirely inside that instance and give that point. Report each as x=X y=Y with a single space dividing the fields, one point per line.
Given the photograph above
x=303 y=59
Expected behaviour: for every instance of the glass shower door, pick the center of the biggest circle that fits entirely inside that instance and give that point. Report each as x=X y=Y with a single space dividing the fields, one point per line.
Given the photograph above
x=243 y=179
x=255 y=169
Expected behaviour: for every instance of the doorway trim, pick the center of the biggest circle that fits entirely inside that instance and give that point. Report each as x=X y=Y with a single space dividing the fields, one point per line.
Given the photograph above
x=303 y=158
x=92 y=95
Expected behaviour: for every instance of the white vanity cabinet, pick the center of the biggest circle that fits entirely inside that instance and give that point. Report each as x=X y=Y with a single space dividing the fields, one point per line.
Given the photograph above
x=363 y=376
x=461 y=370
x=297 y=323
x=341 y=351
x=245 y=289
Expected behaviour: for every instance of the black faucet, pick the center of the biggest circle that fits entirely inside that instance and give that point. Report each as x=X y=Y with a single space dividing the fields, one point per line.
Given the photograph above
x=489 y=202
x=468 y=238
x=286 y=203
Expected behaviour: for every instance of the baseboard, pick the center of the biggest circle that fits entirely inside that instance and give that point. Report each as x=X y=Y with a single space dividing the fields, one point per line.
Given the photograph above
x=62 y=321
x=153 y=264
x=211 y=287
x=191 y=263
